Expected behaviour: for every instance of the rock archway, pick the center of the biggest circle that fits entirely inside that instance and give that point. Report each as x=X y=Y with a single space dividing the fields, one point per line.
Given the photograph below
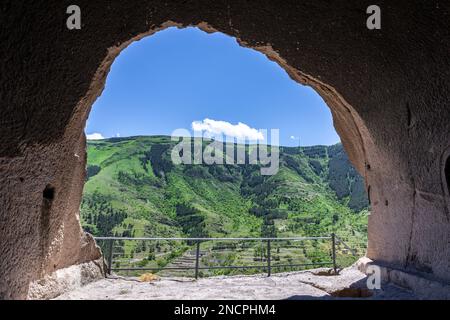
x=388 y=91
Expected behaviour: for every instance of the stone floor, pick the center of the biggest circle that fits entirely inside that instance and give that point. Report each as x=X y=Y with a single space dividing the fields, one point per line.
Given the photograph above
x=311 y=284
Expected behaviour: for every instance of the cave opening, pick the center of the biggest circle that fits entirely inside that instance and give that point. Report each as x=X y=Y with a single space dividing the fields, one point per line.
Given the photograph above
x=221 y=94
x=355 y=70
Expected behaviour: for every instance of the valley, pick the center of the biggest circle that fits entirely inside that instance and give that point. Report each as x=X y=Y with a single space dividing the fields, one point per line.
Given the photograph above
x=134 y=190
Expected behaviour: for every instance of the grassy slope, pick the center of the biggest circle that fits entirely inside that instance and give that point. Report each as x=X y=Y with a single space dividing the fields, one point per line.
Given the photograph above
x=134 y=190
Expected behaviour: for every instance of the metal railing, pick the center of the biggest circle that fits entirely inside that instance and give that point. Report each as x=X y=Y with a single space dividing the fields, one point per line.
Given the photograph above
x=194 y=245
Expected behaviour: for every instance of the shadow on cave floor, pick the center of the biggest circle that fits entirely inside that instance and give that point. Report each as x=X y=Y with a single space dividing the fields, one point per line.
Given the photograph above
x=358 y=291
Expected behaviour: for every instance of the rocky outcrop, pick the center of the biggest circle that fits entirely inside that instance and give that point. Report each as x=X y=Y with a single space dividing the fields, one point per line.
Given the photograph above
x=65 y=280
x=420 y=284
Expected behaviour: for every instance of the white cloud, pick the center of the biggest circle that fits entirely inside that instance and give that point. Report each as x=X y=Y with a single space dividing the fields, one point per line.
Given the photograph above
x=240 y=130
x=117 y=135
x=292 y=138
x=95 y=136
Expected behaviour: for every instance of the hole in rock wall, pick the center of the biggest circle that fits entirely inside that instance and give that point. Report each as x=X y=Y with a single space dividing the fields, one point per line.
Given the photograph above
x=447 y=174
x=49 y=193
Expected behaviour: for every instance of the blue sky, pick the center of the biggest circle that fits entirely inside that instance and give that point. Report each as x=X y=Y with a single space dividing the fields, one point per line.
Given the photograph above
x=177 y=77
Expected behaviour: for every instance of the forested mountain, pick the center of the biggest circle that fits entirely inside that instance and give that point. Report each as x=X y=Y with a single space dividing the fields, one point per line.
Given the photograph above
x=134 y=189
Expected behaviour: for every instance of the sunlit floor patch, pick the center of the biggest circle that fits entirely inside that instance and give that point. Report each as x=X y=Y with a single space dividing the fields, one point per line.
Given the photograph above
x=302 y=285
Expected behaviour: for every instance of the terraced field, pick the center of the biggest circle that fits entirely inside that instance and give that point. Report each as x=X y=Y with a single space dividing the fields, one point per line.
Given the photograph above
x=135 y=190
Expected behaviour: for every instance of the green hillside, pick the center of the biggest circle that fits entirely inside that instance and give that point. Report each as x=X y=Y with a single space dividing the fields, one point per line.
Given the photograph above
x=134 y=189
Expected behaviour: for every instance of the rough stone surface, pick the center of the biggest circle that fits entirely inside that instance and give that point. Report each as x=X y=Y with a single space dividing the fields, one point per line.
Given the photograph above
x=295 y=285
x=417 y=283
x=67 y=279
x=388 y=91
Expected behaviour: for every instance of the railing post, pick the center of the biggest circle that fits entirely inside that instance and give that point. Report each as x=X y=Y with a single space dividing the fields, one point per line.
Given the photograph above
x=197 y=259
x=110 y=255
x=269 y=268
x=333 y=251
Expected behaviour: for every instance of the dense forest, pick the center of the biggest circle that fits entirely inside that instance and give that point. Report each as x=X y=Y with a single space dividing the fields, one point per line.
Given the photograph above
x=133 y=189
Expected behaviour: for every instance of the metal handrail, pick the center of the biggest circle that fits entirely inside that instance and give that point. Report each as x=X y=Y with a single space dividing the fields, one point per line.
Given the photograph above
x=346 y=246
x=197 y=241
x=212 y=239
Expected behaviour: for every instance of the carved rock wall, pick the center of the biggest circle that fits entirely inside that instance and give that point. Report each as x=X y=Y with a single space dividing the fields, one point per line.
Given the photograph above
x=388 y=91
